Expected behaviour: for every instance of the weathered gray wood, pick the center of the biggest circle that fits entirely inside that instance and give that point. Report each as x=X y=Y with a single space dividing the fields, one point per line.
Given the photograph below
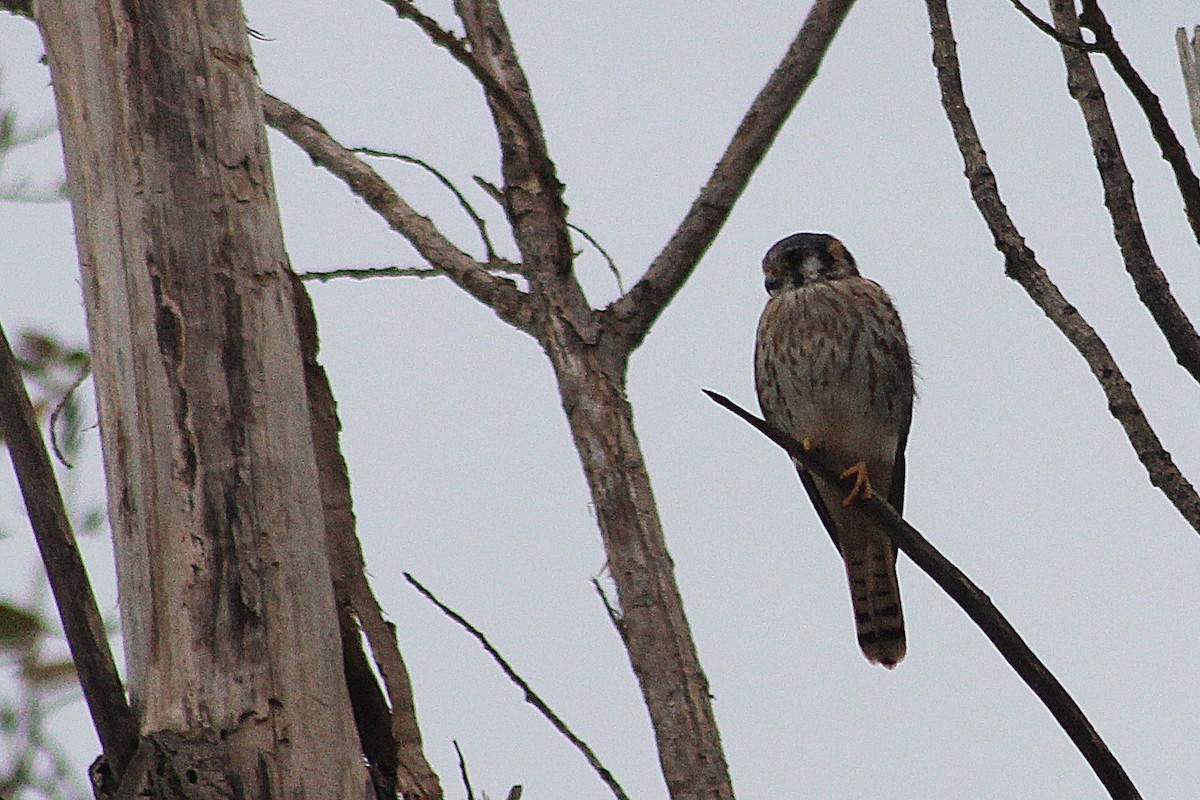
x=1189 y=64
x=227 y=605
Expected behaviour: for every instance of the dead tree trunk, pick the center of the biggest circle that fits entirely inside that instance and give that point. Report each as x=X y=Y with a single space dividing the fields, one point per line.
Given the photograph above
x=227 y=606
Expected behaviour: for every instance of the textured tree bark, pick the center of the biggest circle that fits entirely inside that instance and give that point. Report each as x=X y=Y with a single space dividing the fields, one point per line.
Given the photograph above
x=227 y=605
x=653 y=625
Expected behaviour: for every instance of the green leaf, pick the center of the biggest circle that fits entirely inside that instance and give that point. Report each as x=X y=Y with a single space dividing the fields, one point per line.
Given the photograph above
x=18 y=626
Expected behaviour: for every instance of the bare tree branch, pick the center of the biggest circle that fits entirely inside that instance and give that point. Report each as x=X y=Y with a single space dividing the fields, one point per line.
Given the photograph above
x=365 y=273
x=464 y=52
x=1160 y=127
x=635 y=312
x=612 y=265
x=1022 y=266
x=1189 y=63
x=1049 y=30
x=480 y=223
x=499 y=294
x=1151 y=284
x=462 y=770
x=972 y=600
x=531 y=696
x=86 y=638
x=533 y=194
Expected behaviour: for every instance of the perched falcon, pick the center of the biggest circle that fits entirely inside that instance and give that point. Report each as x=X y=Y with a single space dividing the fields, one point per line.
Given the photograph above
x=832 y=370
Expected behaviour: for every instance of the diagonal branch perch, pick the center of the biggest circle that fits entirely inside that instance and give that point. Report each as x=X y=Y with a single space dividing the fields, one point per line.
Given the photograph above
x=974 y=602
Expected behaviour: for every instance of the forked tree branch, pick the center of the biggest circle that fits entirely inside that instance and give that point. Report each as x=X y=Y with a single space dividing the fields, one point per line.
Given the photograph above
x=115 y=723
x=1021 y=265
x=533 y=194
x=500 y=294
x=1049 y=30
x=636 y=311
x=1160 y=127
x=1148 y=279
x=973 y=601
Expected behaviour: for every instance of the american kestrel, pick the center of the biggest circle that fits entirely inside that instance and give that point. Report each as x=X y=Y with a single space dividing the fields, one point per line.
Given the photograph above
x=833 y=371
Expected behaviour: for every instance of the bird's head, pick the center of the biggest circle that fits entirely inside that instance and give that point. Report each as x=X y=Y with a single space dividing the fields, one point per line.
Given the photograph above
x=803 y=259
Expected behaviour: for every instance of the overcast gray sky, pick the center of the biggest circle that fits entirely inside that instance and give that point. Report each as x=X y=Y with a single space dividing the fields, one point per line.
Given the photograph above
x=463 y=469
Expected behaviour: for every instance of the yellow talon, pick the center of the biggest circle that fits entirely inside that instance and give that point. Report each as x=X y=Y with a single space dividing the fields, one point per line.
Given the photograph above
x=807 y=444
x=862 y=483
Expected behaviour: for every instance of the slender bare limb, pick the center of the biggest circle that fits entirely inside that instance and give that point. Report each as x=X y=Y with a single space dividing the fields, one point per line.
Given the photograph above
x=1151 y=284
x=612 y=265
x=1189 y=63
x=636 y=311
x=1160 y=127
x=365 y=273
x=973 y=601
x=531 y=696
x=1022 y=266
x=614 y=615
x=1049 y=30
x=499 y=294
x=464 y=52
x=86 y=638
x=480 y=223
x=462 y=770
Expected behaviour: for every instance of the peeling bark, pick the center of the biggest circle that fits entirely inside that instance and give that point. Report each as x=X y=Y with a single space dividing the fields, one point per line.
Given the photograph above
x=226 y=597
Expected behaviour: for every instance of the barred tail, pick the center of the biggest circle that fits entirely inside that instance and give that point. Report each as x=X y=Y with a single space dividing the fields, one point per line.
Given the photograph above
x=875 y=596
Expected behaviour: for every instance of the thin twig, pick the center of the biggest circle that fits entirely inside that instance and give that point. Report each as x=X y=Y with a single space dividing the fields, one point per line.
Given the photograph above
x=500 y=294
x=480 y=223
x=458 y=48
x=614 y=616
x=612 y=265
x=1160 y=127
x=462 y=770
x=365 y=273
x=972 y=600
x=1049 y=30
x=531 y=697
x=637 y=310
x=86 y=637
x=58 y=409
x=1022 y=266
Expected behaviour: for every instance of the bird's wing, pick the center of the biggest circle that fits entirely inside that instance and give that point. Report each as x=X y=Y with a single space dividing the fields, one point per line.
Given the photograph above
x=896 y=489
x=810 y=486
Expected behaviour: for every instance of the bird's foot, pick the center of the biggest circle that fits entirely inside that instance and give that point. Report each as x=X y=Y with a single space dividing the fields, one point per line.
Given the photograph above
x=808 y=444
x=862 y=483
